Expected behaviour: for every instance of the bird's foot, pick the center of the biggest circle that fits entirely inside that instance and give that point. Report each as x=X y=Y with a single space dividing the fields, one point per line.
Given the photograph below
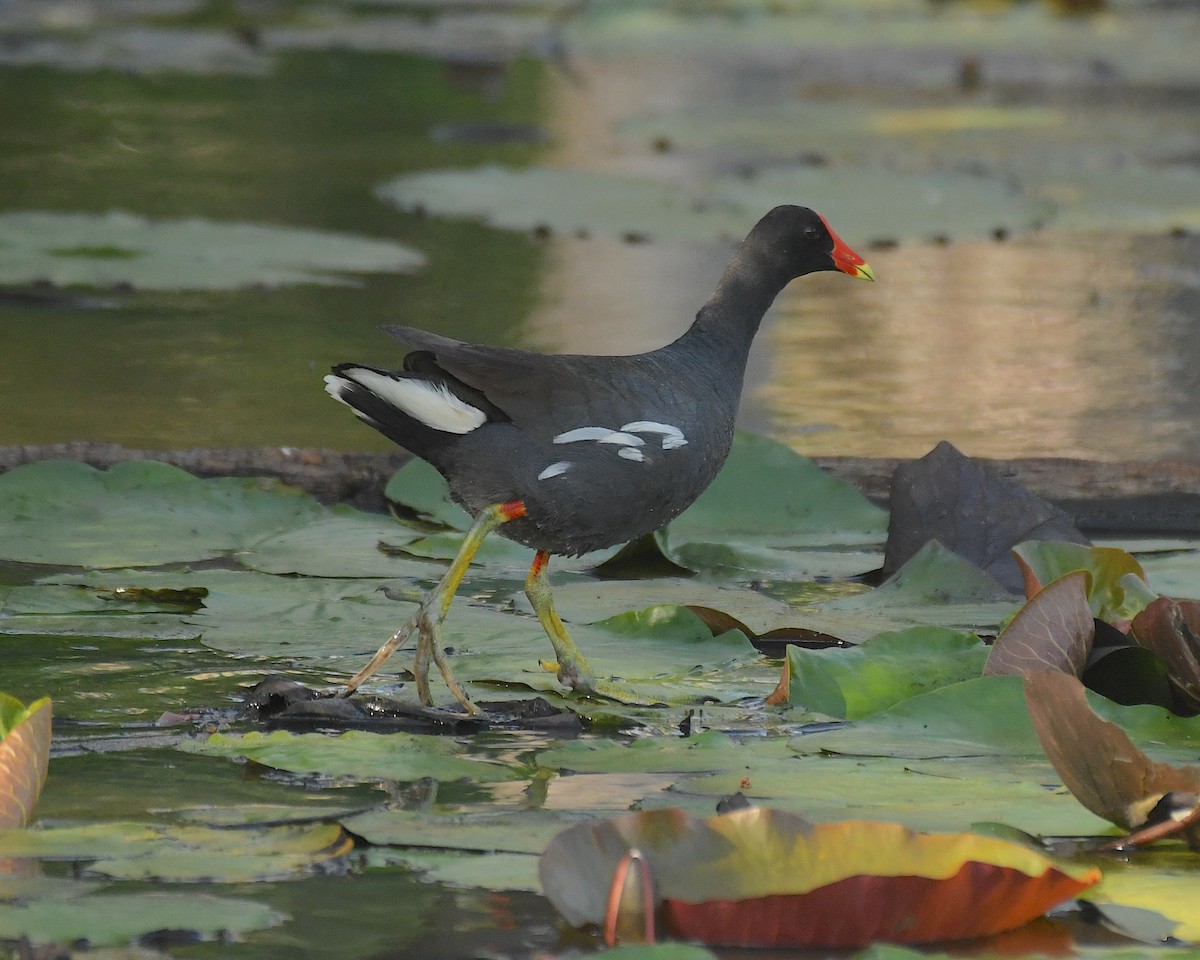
x=431 y=611
x=577 y=676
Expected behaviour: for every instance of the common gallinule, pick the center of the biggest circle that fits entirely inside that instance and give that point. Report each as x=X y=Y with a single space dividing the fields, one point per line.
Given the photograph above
x=572 y=453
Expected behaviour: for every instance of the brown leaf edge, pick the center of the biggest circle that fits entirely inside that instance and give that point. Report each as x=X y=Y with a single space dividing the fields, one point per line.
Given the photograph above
x=1098 y=763
x=1054 y=630
x=24 y=763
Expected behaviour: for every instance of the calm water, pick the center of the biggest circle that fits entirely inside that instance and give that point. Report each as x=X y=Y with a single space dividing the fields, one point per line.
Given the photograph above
x=1048 y=344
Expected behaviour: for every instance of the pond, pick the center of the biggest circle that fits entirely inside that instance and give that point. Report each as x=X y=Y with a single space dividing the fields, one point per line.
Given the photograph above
x=204 y=205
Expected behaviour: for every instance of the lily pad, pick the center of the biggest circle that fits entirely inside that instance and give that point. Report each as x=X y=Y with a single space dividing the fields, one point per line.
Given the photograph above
x=936 y=587
x=768 y=878
x=104 y=250
x=766 y=504
x=185 y=852
x=24 y=757
x=109 y=919
x=884 y=670
x=579 y=202
x=356 y=755
x=139 y=513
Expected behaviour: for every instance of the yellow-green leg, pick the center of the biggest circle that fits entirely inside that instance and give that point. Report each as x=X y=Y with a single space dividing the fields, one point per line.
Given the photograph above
x=431 y=611
x=572 y=667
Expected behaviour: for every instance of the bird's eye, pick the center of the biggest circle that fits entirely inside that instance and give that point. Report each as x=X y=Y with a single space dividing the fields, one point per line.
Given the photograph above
x=811 y=233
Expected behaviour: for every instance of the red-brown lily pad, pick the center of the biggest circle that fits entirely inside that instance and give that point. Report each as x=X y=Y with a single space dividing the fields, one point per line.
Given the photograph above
x=24 y=757
x=1053 y=631
x=1171 y=629
x=768 y=878
x=1098 y=763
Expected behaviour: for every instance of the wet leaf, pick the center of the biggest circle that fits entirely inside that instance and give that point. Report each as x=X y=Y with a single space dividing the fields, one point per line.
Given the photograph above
x=934 y=588
x=350 y=544
x=1053 y=631
x=24 y=757
x=524 y=831
x=138 y=513
x=710 y=750
x=85 y=249
x=767 y=878
x=1166 y=896
x=765 y=504
x=1171 y=629
x=185 y=852
x=938 y=794
x=1097 y=761
x=109 y=919
x=884 y=670
x=356 y=755
x=581 y=202
x=1117 y=589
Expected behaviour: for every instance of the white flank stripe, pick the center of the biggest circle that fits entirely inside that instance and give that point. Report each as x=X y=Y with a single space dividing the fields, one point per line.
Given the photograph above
x=624 y=439
x=431 y=403
x=672 y=437
x=554 y=470
x=583 y=433
x=631 y=453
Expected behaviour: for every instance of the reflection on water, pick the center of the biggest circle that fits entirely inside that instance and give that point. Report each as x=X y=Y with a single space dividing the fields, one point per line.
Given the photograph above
x=1043 y=346
x=1050 y=346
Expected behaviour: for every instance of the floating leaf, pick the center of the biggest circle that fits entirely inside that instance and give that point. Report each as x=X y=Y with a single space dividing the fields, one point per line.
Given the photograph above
x=936 y=587
x=1162 y=901
x=768 y=878
x=1117 y=589
x=1171 y=629
x=73 y=249
x=765 y=504
x=186 y=852
x=138 y=513
x=882 y=671
x=1053 y=631
x=364 y=756
x=1097 y=761
x=24 y=757
x=111 y=919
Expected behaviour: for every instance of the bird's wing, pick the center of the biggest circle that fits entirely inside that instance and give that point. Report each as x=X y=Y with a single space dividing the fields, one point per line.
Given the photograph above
x=537 y=392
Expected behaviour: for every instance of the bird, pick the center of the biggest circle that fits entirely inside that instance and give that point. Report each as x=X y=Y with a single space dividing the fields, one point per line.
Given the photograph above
x=569 y=453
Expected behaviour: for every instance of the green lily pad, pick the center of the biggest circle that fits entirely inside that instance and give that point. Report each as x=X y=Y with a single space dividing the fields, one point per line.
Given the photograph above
x=103 y=250
x=987 y=717
x=109 y=919
x=525 y=831
x=356 y=755
x=884 y=670
x=936 y=587
x=138 y=514
x=184 y=852
x=492 y=871
x=578 y=202
x=565 y=200
x=764 y=506
x=348 y=544
x=946 y=793
x=1117 y=588
x=710 y=750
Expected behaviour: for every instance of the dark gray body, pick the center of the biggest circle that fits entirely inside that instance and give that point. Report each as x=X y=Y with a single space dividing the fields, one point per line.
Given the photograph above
x=602 y=497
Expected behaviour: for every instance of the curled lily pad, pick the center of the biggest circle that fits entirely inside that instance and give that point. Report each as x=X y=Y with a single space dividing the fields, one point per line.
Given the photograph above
x=24 y=757
x=1117 y=590
x=1054 y=631
x=767 y=878
x=1097 y=761
x=87 y=249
